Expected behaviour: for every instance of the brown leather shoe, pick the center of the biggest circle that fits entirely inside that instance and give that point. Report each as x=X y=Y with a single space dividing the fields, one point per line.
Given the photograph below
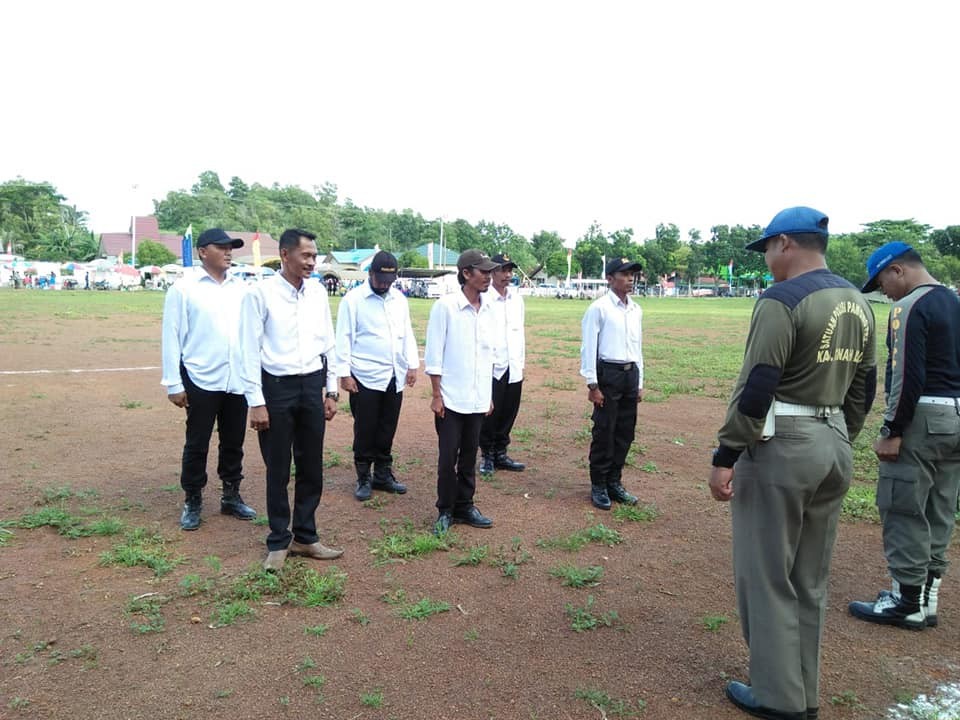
x=274 y=561
x=315 y=551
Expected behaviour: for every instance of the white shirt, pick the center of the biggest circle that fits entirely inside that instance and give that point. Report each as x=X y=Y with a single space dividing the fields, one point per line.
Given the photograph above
x=375 y=340
x=285 y=331
x=509 y=349
x=460 y=351
x=201 y=323
x=612 y=331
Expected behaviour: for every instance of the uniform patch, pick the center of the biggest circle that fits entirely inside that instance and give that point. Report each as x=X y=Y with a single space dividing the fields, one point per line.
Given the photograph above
x=758 y=391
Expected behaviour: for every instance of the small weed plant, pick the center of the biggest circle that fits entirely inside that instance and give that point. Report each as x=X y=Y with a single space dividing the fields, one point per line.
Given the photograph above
x=609 y=706
x=422 y=609
x=405 y=543
x=583 y=618
x=713 y=623
x=577 y=577
x=372 y=699
x=635 y=513
x=142 y=547
x=599 y=533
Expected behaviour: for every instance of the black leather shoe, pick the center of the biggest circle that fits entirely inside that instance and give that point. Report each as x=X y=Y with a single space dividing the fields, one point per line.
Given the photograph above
x=190 y=518
x=364 y=489
x=389 y=484
x=742 y=696
x=473 y=518
x=619 y=494
x=505 y=462
x=599 y=497
x=234 y=505
x=444 y=521
x=486 y=464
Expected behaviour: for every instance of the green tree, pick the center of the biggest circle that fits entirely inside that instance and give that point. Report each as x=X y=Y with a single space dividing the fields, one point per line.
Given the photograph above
x=846 y=258
x=412 y=259
x=29 y=212
x=150 y=252
x=947 y=240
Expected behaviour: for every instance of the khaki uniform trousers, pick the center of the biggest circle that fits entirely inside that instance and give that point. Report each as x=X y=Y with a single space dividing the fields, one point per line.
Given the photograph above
x=917 y=495
x=785 y=508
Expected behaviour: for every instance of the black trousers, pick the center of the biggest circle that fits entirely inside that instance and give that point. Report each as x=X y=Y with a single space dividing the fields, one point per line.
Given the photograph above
x=375 y=415
x=297 y=421
x=495 y=432
x=207 y=407
x=459 y=437
x=614 y=424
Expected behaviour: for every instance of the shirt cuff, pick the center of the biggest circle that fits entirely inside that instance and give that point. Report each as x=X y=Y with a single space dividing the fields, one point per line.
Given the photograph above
x=174 y=389
x=255 y=399
x=725 y=457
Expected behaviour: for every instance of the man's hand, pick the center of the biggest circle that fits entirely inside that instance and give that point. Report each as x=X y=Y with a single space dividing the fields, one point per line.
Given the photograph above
x=721 y=483
x=411 y=378
x=329 y=408
x=259 y=418
x=595 y=396
x=349 y=384
x=640 y=395
x=179 y=399
x=436 y=404
x=887 y=449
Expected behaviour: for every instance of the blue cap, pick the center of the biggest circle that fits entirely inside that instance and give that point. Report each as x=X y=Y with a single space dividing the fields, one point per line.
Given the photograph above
x=880 y=258
x=792 y=221
x=216 y=236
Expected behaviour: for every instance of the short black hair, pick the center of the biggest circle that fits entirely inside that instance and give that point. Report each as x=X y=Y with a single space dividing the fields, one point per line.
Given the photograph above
x=910 y=257
x=291 y=238
x=810 y=241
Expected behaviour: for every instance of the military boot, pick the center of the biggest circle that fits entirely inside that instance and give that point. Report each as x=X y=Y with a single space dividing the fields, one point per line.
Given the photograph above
x=384 y=480
x=931 y=591
x=900 y=607
x=364 y=481
x=190 y=518
x=486 y=462
x=232 y=504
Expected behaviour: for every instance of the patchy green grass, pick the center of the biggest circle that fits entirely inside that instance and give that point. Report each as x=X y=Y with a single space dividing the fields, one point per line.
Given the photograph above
x=422 y=609
x=146 y=614
x=599 y=533
x=476 y=555
x=316 y=630
x=860 y=503
x=509 y=561
x=142 y=547
x=635 y=513
x=359 y=617
x=713 y=623
x=68 y=524
x=372 y=699
x=583 y=618
x=405 y=542
x=609 y=706
x=577 y=577
x=227 y=613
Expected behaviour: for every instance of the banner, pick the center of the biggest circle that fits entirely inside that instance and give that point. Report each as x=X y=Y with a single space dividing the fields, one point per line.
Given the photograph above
x=186 y=247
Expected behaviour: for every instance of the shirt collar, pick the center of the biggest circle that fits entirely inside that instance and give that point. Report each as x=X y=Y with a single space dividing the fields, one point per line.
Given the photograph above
x=616 y=301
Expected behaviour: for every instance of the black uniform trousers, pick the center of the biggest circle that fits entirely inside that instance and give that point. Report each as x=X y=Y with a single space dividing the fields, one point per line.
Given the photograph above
x=459 y=438
x=375 y=415
x=615 y=422
x=205 y=407
x=297 y=421
x=495 y=432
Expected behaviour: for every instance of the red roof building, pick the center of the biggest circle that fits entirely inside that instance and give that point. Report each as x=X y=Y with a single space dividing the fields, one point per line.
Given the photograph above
x=112 y=244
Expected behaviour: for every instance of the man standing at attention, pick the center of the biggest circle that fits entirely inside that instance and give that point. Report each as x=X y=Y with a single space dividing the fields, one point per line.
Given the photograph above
x=784 y=459
x=509 y=357
x=288 y=372
x=201 y=323
x=611 y=361
x=919 y=443
x=459 y=361
x=378 y=357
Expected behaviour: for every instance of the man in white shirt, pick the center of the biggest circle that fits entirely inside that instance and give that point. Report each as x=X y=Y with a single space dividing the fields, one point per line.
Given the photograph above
x=289 y=379
x=378 y=357
x=459 y=361
x=201 y=321
x=509 y=357
x=611 y=361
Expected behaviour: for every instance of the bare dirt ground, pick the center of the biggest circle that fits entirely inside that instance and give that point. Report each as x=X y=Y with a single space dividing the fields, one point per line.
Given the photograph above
x=506 y=648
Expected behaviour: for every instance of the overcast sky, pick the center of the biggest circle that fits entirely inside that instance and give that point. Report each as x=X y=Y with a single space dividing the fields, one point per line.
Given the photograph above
x=540 y=115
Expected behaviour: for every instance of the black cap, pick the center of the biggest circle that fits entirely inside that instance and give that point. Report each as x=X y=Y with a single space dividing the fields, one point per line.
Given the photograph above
x=384 y=266
x=216 y=236
x=503 y=261
x=474 y=258
x=622 y=265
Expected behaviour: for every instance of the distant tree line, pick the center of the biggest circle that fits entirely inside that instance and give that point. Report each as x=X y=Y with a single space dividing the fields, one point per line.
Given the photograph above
x=36 y=220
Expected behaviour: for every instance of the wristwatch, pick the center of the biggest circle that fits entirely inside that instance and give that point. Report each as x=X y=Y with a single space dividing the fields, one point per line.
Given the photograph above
x=885 y=431
x=592 y=386
x=335 y=396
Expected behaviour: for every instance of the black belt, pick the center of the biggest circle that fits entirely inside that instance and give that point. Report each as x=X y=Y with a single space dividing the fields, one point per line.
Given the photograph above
x=626 y=367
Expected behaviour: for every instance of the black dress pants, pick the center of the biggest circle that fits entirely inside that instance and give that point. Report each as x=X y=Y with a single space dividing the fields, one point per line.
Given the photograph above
x=459 y=437
x=205 y=408
x=495 y=432
x=614 y=423
x=375 y=415
x=297 y=421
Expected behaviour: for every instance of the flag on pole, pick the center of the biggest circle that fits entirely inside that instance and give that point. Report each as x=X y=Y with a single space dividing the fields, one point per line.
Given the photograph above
x=730 y=270
x=256 y=249
x=9 y=248
x=186 y=247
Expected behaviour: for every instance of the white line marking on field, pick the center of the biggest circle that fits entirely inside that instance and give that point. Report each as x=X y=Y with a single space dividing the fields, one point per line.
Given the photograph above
x=78 y=370
x=942 y=704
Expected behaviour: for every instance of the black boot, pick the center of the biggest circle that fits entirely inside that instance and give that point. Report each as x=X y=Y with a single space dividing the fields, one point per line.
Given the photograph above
x=364 y=489
x=232 y=504
x=504 y=462
x=190 y=518
x=599 y=497
x=900 y=607
x=383 y=479
x=486 y=463
x=619 y=494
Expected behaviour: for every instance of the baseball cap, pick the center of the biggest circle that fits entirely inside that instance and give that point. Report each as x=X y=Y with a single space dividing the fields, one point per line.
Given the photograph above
x=622 y=265
x=503 y=261
x=473 y=258
x=879 y=259
x=216 y=236
x=792 y=221
x=384 y=266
